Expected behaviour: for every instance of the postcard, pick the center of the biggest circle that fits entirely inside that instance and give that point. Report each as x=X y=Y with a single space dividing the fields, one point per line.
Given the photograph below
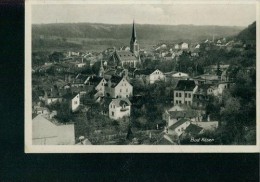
x=141 y=76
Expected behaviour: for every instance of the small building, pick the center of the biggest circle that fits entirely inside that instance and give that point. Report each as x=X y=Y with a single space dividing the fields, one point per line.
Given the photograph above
x=119 y=108
x=73 y=100
x=150 y=76
x=47 y=132
x=180 y=75
x=172 y=116
x=183 y=92
x=118 y=87
x=98 y=83
x=178 y=128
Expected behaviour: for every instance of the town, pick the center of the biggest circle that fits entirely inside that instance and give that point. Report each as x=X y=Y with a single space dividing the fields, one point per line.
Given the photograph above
x=171 y=94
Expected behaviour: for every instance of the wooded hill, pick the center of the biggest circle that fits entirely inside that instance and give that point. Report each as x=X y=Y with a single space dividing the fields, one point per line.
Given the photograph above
x=144 y=31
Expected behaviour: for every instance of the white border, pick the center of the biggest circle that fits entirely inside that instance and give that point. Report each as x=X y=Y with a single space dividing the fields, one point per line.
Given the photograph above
x=29 y=148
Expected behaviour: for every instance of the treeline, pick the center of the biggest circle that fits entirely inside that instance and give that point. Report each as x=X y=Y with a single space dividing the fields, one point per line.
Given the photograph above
x=157 y=32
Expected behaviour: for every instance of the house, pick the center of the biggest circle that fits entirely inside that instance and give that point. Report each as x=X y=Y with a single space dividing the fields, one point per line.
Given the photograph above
x=207 y=78
x=207 y=126
x=118 y=87
x=73 y=100
x=119 y=108
x=50 y=132
x=97 y=82
x=178 y=128
x=180 y=75
x=213 y=68
x=183 y=92
x=200 y=97
x=42 y=110
x=79 y=80
x=150 y=76
x=184 y=45
x=52 y=96
x=172 y=116
x=192 y=130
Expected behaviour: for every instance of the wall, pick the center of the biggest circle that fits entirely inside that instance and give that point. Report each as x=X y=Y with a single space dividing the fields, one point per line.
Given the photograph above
x=155 y=76
x=117 y=113
x=126 y=89
x=180 y=129
x=75 y=102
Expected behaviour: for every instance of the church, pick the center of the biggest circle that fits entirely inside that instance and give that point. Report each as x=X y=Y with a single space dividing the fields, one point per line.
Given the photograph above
x=125 y=58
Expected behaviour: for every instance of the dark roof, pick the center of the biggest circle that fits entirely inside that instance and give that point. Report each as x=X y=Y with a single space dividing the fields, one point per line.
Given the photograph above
x=94 y=80
x=125 y=55
x=193 y=129
x=115 y=80
x=69 y=95
x=144 y=72
x=177 y=124
x=187 y=85
x=183 y=114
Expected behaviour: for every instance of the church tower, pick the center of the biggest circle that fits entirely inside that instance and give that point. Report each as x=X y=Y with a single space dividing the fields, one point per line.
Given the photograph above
x=134 y=46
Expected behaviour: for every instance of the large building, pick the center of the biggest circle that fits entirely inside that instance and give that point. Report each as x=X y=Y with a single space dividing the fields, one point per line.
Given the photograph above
x=184 y=91
x=127 y=58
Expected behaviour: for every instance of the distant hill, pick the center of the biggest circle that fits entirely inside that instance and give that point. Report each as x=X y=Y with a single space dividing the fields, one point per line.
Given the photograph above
x=97 y=36
x=248 y=34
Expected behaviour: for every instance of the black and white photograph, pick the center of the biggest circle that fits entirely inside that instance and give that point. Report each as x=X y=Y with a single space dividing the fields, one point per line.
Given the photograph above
x=157 y=76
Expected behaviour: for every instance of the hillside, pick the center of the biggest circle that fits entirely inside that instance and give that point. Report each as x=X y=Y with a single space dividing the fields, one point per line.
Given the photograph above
x=248 y=34
x=91 y=35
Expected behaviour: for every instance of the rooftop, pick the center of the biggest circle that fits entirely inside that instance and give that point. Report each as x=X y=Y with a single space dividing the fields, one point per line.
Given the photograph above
x=186 y=85
x=177 y=124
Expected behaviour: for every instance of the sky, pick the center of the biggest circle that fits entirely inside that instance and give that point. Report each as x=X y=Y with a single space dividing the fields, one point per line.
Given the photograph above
x=196 y=14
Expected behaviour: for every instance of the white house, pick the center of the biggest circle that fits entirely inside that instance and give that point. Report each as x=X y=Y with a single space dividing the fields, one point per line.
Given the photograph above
x=179 y=75
x=150 y=76
x=98 y=82
x=178 y=128
x=75 y=102
x=46 y=132
x=118 y=87
x=184 y=45
x=118 y=108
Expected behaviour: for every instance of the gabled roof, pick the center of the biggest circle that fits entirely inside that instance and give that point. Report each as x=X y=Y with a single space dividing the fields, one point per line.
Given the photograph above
x=70 y=95
x=187 y=85
x=93 y=80
x=193 y=129
x=183 y=114
x=119 y=102
x=145 y=72
x=177 y=124
x=125 y=55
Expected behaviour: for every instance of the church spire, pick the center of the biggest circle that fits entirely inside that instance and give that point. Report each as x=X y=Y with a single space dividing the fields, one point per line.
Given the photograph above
x=134 y=47
x=133 y=38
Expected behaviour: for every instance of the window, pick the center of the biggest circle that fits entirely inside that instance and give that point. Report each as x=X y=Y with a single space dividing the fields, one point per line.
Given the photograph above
x=75 y=102
x=127 y=96
x=112 y=113
x=186 y=102
x=179 y=94
x=120 y=90
x=176 y=102
x=114 y=106
x=189 y=95
x=176 y=94
x=186 y=95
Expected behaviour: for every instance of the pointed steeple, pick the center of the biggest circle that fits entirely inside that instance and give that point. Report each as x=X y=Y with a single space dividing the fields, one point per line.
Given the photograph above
x=134 y=47
x=133 y=38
